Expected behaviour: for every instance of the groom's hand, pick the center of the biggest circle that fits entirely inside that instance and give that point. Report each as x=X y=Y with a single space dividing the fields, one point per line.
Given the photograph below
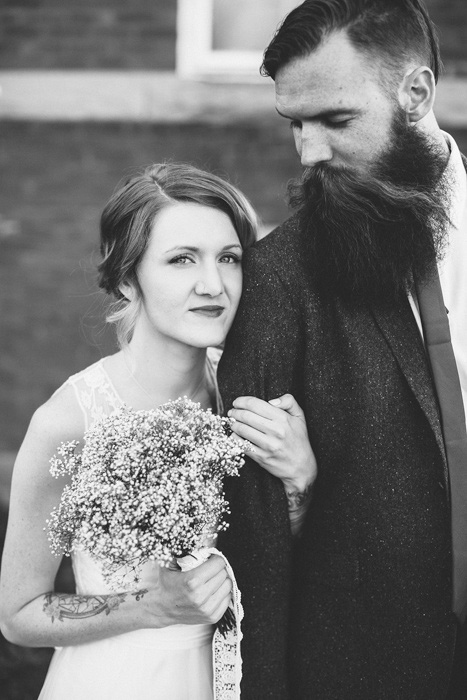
x=198 y=596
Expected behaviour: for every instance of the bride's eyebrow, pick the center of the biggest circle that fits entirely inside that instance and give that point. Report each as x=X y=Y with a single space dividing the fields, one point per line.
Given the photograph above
x=233 y=246
x=194 y=249
x=191 y=249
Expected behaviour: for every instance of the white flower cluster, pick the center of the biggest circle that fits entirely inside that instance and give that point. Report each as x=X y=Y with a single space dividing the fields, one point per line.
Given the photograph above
x=147 y=485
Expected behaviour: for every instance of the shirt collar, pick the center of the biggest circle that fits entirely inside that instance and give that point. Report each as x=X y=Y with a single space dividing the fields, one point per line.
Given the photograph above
x=456 y=173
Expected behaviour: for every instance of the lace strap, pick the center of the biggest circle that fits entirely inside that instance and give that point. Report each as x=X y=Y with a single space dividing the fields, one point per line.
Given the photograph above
x=94 y=393
x=213 y=355
x=226 y=653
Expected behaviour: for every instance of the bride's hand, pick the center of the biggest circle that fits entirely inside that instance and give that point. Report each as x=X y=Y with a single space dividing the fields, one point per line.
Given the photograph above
x=278 y=431
x=198 y=596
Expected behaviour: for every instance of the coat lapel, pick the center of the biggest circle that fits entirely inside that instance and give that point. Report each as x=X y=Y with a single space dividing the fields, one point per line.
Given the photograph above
x=401 y=333
x=400 y=330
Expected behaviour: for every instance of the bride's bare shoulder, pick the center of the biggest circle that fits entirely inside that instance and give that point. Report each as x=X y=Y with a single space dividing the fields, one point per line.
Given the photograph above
x=60 y=418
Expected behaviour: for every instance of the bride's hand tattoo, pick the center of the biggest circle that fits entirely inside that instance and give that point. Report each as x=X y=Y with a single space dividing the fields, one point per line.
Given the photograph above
x=296 y=499
x=297 y=502
x=76 y=607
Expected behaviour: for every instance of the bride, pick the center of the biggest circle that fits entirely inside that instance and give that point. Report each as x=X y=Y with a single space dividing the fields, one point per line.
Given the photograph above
x=172 y=240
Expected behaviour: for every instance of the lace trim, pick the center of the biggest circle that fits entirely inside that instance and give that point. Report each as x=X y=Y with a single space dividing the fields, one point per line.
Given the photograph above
x=95 y=394
x=98 y=398
x=226 y=651
x=213 y=356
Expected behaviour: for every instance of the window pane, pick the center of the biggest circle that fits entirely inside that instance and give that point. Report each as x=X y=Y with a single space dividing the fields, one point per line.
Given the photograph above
x=247 y=25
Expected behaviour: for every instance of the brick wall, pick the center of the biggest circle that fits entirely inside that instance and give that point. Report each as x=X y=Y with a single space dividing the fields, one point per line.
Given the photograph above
x=63 y=34
x=450 y=16
x=140 y=34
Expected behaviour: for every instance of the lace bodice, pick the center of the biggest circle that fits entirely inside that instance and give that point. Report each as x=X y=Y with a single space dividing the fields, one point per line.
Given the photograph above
x=95 y=393
x=98 y=398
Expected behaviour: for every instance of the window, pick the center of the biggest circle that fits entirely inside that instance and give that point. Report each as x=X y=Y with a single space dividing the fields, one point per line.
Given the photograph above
x=225 y=39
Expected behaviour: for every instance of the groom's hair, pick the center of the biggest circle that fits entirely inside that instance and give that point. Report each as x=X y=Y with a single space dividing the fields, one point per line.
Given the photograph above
x=393 y=31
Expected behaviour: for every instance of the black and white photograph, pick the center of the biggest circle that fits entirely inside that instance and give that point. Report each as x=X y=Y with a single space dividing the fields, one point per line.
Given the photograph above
x=233 y=350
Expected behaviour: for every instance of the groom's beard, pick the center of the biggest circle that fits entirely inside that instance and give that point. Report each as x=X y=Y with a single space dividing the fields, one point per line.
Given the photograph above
x=369 y=234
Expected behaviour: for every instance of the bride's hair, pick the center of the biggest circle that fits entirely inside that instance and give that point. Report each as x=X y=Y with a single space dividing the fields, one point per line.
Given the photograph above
x=127 y=221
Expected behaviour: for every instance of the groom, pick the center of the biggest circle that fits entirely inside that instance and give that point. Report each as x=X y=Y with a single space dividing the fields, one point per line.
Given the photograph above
x=359 y=606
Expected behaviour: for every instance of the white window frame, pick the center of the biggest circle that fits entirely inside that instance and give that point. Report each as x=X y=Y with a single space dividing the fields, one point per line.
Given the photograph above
x=196 y=58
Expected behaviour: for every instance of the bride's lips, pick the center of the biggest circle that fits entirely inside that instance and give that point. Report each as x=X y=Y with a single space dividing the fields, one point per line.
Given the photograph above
x=212 y=311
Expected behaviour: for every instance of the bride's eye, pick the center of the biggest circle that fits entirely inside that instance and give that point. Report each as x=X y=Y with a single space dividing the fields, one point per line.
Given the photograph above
x=180 y=260
x=230 y=258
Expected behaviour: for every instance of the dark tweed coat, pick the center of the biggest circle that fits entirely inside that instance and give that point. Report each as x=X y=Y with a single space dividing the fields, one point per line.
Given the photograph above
x=359 y=607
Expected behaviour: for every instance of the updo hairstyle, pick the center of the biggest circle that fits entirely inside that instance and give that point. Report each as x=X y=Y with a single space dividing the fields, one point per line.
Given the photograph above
x=127 y=221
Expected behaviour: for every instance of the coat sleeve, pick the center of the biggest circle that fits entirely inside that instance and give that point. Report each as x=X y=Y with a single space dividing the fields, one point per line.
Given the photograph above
x=259 y=359
x=262 y=350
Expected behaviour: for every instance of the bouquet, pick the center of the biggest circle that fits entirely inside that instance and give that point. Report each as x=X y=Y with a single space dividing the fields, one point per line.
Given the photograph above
x=146 y=486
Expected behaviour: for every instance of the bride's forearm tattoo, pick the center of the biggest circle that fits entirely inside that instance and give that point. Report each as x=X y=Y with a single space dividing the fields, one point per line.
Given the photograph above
x=77 y=607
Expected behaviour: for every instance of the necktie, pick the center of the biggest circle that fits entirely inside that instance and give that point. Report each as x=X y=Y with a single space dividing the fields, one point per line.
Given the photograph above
x=446 y=379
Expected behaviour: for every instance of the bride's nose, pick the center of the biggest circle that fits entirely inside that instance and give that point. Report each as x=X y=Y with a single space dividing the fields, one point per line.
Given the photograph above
x=210 y=283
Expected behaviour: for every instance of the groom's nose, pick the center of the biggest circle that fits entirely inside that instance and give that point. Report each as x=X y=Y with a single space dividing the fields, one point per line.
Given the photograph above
x=313 y=147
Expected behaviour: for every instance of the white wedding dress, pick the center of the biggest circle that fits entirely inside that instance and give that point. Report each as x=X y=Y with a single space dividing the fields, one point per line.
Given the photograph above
x=172 y=663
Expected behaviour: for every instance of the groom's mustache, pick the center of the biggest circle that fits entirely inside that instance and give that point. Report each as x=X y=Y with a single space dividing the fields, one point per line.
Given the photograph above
x=381 y=198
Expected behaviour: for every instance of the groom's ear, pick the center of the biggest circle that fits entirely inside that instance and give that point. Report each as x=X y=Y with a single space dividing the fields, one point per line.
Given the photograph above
x=417 y=93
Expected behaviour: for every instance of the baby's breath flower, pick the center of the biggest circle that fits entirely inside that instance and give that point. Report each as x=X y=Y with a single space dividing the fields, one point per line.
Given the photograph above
x=147 y=486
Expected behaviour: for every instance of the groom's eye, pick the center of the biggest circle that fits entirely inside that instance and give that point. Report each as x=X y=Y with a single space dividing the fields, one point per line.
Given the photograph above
x=337 y=122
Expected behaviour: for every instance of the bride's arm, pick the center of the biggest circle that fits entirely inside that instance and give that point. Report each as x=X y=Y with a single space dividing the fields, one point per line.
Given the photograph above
x=31 y=612
x=277 y=429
